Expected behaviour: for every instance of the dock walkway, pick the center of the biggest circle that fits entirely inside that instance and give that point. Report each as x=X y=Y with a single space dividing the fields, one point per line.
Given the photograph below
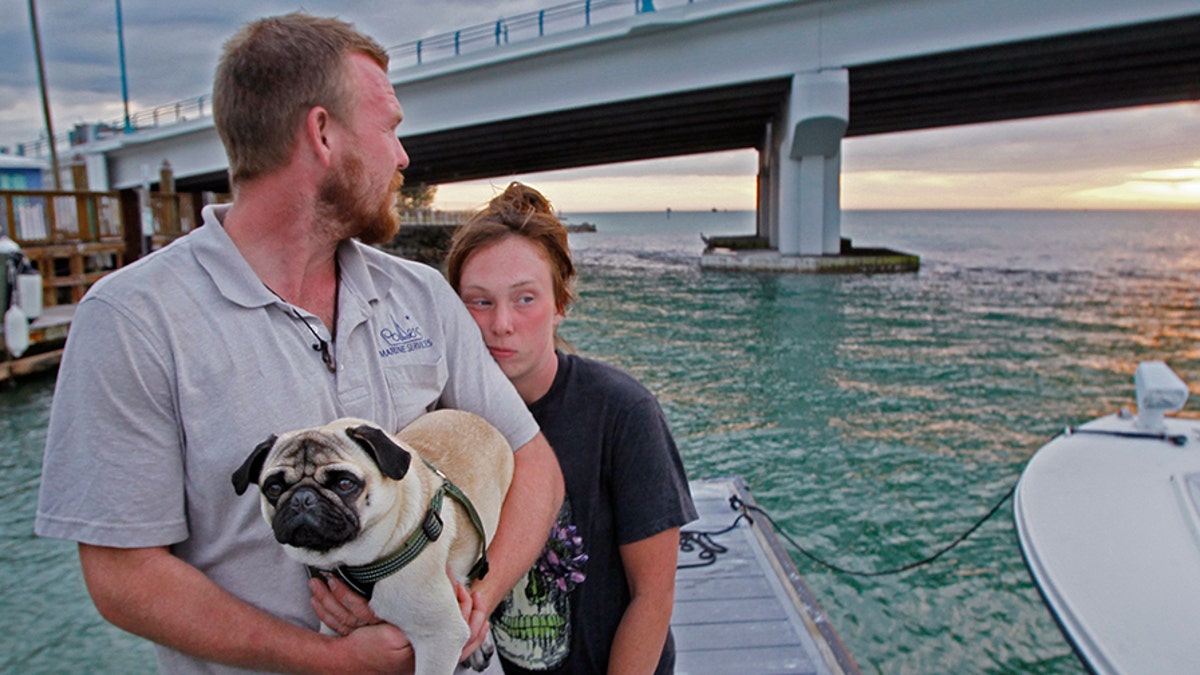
x=748 y=611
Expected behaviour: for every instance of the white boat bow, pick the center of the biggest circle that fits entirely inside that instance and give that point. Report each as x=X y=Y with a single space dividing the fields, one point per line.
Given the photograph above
x=1108 y=519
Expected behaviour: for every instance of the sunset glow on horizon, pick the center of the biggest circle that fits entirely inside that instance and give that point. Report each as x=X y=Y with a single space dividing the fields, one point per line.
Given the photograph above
x=1087 y=161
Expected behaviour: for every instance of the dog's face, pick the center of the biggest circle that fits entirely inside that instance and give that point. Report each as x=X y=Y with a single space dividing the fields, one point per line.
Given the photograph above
x=320 y=487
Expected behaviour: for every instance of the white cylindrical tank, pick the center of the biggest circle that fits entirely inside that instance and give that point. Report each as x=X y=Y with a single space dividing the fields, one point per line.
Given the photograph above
x=16 y=331
x=29 y=292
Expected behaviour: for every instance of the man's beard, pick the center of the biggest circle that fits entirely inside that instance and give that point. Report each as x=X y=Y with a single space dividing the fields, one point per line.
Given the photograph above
x=349 y=210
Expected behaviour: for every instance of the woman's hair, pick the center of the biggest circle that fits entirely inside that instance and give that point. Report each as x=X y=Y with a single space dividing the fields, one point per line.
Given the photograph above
x=271 y=73
x=520 y=211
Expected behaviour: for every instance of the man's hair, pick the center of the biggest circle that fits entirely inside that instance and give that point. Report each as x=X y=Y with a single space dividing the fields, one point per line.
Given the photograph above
x=271 y=74
x=520 y=211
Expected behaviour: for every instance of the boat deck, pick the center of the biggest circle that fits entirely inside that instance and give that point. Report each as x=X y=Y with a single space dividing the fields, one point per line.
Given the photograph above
x=748 y=611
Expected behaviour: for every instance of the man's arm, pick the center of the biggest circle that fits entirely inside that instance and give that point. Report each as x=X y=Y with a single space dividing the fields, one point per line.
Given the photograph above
x=650 y=568
x=151 y=593
x=529 y=511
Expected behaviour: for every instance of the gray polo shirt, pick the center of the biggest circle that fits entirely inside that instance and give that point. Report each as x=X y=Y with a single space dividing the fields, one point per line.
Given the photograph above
x=179 y=364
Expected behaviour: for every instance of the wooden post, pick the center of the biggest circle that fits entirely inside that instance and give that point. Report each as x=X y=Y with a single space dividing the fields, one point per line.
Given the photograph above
x=197 y=209
x=79 y=177
x=166 y=176
x=168 y=202
x=131 y=224
x=85 y=207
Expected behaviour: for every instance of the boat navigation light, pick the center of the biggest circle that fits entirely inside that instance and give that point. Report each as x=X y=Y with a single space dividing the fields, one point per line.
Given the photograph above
x=1159 y=391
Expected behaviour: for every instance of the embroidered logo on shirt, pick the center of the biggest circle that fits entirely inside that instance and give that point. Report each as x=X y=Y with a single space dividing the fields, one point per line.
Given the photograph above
x=401 y=338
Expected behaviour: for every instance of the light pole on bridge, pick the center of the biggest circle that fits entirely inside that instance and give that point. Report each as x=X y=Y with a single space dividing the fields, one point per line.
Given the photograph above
x=124 y=80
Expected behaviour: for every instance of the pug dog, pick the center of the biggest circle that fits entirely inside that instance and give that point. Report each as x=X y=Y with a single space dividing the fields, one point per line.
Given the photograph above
x=350 y=498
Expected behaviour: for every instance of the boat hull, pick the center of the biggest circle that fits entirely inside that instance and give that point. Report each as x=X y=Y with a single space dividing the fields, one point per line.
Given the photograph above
x=1109 y=526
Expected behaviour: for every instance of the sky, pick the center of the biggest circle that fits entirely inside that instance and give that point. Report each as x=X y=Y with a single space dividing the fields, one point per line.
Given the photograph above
x=1138 y=158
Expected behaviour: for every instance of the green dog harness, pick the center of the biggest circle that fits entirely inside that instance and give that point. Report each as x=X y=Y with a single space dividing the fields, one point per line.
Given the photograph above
x=362 y=578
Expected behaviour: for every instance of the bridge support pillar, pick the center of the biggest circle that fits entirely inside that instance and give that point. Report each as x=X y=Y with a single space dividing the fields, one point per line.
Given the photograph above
x=799 y=226
x=807 y=164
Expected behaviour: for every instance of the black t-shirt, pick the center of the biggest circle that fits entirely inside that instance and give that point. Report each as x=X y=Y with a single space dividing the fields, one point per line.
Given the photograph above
x=624 y=482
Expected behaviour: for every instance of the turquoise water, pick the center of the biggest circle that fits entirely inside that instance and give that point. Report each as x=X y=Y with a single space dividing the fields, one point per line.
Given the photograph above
x=875 y=416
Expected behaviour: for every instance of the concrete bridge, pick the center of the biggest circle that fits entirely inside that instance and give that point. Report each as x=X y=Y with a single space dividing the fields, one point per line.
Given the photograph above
x=790 y=78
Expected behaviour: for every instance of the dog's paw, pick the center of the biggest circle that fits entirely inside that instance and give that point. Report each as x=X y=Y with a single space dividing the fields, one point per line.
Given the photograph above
x=480 y=658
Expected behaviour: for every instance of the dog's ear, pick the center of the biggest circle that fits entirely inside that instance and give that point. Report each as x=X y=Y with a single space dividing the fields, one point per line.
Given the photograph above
x=392 y=459
x=249 y=471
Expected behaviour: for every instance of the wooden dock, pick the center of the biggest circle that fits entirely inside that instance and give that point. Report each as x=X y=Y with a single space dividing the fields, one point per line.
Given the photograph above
x=748 y=611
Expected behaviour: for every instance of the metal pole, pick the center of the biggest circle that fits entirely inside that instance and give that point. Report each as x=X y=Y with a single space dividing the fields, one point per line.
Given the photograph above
x=124 y=80
x=37 y=49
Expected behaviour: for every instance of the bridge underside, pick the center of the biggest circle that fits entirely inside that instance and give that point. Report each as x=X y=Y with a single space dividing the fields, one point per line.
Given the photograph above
x=1140 y=64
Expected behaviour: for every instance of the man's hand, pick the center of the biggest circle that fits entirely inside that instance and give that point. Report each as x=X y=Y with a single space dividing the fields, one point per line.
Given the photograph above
x=372 y=644
x=472 y=611
x=377 y=648
x=345 y=612
x=338 y=607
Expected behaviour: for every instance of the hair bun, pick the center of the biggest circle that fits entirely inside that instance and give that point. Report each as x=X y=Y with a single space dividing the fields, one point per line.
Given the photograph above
x=524 y=199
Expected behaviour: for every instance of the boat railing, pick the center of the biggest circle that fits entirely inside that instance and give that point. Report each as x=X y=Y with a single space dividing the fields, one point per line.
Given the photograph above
x=575 y=15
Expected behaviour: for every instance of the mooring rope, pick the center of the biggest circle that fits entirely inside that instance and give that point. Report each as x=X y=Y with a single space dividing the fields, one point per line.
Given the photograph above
x=691 y=539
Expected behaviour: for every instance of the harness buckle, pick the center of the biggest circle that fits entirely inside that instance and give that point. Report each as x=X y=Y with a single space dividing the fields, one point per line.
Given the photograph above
x=480 y=569
x=432 y=525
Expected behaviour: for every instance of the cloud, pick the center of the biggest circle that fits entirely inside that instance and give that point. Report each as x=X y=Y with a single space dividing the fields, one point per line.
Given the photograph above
x=1115 y=138
x=1105 y=159
x=171 y=49
x=1169 y=187
x=590 y=190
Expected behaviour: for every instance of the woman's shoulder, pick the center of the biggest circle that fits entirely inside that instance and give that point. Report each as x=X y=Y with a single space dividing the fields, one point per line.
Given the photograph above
x=604 y=376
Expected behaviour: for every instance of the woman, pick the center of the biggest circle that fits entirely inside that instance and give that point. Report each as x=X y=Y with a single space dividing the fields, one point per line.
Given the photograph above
x=600 y=598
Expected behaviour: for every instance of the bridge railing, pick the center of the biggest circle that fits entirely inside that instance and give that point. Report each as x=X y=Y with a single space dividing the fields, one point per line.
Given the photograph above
x=520 y=27
x=473 y=39
x=179 y=111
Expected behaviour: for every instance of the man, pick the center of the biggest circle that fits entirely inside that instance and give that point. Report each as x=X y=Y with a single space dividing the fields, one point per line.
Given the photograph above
x=268 y=318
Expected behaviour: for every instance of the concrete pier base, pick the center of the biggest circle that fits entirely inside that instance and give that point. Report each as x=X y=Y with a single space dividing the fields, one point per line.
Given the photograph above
x=742 y=255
